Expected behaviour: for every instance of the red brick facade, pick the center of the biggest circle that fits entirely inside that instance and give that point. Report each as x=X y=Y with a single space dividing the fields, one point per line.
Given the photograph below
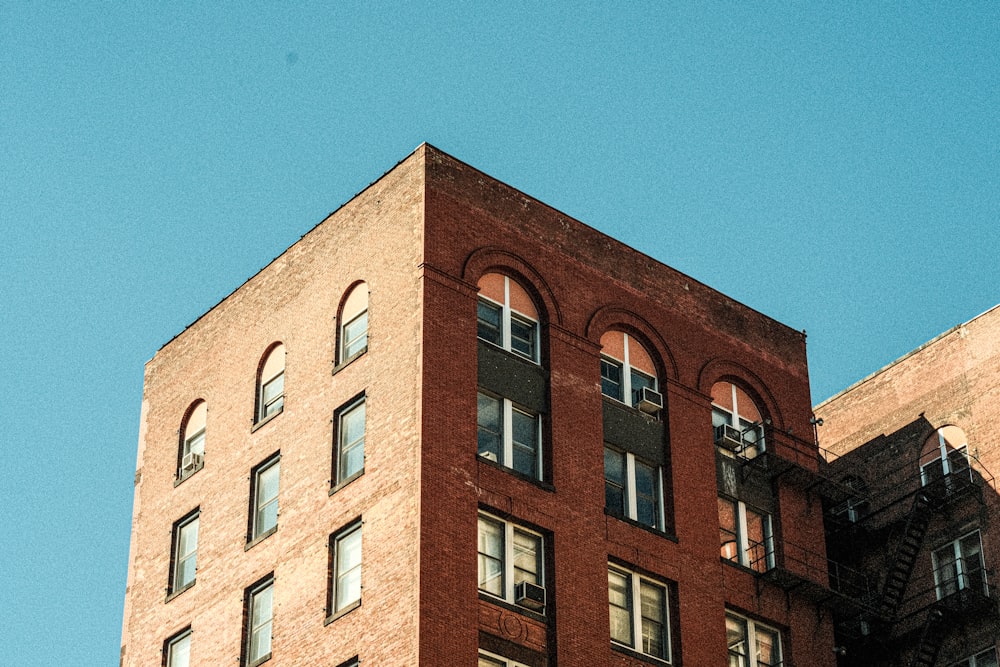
x=421 y=237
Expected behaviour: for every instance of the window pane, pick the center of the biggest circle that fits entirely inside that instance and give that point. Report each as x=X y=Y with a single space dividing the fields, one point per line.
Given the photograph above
x=522 y=337
x=620 y=605
x=736 y=638
x=647 y=495
x=489 y=323
x=489 y=421
x=614 y=482
x=260 y=624
x=272 y=396
x=490 y=662
x=987 y=658
x=352 y=443
x=348 y=558
x=768 y=647
x=186 y=552
x=973 y=569
x=654 y=616
x=527 y=557
x=525 y=442
x=611 y=378
x=266 y=497
x=491 y=550
x=640 y=380
x=355 y=335
x=179 y=651
x=196 y=443
x=728 y=538
x=946 y=570
x=758 y=540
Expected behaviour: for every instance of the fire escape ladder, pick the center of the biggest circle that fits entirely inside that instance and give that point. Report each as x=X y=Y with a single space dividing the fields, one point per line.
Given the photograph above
x=906 y=556
x=931 y=637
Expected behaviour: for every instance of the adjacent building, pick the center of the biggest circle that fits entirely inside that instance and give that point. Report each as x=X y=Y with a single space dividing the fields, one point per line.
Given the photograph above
x=452 y=424
x=915 y=444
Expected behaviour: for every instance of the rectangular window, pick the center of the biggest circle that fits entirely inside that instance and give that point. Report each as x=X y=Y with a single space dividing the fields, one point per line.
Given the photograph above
x=522 y=337
x=632 y=488
x=508 y=556
x=355 y=336
x=350 y=454
x=959 y=565
x=345 y=566
x=509 y=435
x=258 y=607
x=195 y=444
x=185 y=551
x=752 y=644
x=177 y=651
x=643 y=628
x=745 y=535
x=611 y=379
x=264 y=499
x=490 y=322
x=272 y=396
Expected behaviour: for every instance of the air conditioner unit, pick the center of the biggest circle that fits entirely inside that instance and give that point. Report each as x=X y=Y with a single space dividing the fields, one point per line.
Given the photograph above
x=489 y=456
x=728 y=437
x=191 y=462
x=650 y=401
x=529 y=595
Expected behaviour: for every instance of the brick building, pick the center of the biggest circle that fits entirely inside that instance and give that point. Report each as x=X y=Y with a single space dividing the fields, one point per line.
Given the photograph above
x=453 y=423
x=916 y=443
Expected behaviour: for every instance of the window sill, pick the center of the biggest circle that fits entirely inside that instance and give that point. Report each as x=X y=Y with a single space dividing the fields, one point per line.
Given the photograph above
x=347 y=362
x=342 y=612
x=347 y=481
x=637 y=524
x=260 y=538
x=173 y=594
x=745 y=568
x=517 y=473
x=180 y=478
x=622 y=404
x=514 y=355
x=267 y=419
x=645 y=657
x=500 y=602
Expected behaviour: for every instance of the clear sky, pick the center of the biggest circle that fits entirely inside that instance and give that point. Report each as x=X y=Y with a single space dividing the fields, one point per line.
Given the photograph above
x=833 y=165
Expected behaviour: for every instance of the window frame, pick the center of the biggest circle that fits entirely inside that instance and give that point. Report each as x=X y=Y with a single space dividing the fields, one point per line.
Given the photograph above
x=177 y=561
x=630 y=491
x=742 y=557
x=635 y=613
x=751 y=630
x=506 y=455
x=266 y=409
x=170 y=644
x=945 y=462
x=187 y=443
x=338 y=478
x=251 y=596
x=508 y=316
x=627 y=373
x=498 y=660
x=508 y=559
x=963 y=575
x=348 y=314
x=337 y=540
x=735 y=419
x=254 y=532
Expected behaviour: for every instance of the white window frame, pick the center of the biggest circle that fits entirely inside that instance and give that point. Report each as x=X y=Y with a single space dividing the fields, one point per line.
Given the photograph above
x=635 y=612
x=506 y=314
x=495 y=659
x=256 y=530
x=179 y=559
x=259 y=634
x=944 y=461
x=743 y=545
x=631 y=489
x=343 y=446
x=339 y=574
x=961 y=581
x=626 y=370
x=346 y=344
x=751 y=656
x=508 y=571
x=175 y=657
x=979 y=659
x=507 y=410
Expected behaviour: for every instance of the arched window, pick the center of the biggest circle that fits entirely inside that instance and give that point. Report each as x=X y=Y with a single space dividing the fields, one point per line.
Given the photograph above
x=736 y=420
x=944 y=459
x=192 y=450
x=628 y=373
x=507 y=316
x=271 y=384
x=353 y=334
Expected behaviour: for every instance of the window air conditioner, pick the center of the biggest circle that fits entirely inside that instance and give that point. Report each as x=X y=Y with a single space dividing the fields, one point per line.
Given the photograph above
x=650 y=401
x=190 y=462
x=529 y=595
x=728 y=437
x=489 y=456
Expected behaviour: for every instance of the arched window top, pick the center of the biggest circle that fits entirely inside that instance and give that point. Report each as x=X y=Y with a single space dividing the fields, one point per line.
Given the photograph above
x=196 y=417
x=628 y=373
x=945 y=456
x=737 y=422
x=941 y=443
x=271 y=383
x=353 y=334
x=192 y=449
x=507 y=316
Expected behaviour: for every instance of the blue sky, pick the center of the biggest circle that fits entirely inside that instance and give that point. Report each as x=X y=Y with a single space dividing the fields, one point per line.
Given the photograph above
x=833 y=165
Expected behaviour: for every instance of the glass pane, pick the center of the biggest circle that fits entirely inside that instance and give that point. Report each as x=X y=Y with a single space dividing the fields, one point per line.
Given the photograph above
x=736 y=638
x=647 y=495
x=260 y=624
x=768 y=647
x=195 y=444
x=491 y=548
x=654 y=617
x=272 y=396
x=973 y=568
x=758 y=540
x=349 y=587
x=349 y=551
x=946 y=570
x=640 y=380
x=352 y=443
x=179 y=652
x=266 y=516
x=489 y=422
x=527 y=557
x=489 y=323
x=614 y=482
x=611 y=378
x=728 y=538
x=490 y=662
x=987 y=658
x=355 y=336
x=619 y=604
x=522 y=337
x=525 y=445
